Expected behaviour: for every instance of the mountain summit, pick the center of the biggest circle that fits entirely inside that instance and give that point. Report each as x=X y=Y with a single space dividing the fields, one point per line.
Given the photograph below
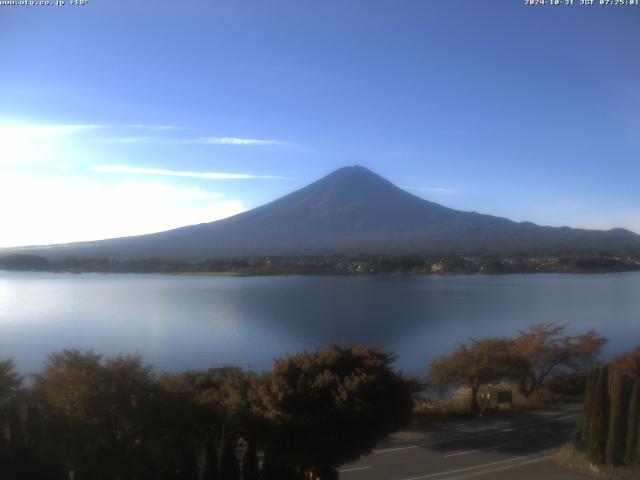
x=351 y=211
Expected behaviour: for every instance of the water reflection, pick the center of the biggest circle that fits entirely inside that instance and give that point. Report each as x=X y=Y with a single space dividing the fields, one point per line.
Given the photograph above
x=180 y=322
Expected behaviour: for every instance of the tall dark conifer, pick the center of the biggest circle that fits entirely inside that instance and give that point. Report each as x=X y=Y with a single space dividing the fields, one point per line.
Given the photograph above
x=618 y=410
x=632 y=450
x=587 y=406
x=597 y=438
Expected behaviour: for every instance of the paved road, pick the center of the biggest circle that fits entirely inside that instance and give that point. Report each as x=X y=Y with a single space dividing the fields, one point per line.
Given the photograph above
x=504 y=447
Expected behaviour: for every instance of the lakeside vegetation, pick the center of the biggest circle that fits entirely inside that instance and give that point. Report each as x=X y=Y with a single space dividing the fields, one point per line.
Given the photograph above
x=116 y=419
x=526 y=362
x=607 y=442
x=330 y=264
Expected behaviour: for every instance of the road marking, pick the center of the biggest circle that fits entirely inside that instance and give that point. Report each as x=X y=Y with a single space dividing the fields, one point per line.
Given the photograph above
x=456 y=454
x=500 y=469
x=513 y=429
x=466 y=469
x=480 y=435
x=395 y=449
x=354 y=469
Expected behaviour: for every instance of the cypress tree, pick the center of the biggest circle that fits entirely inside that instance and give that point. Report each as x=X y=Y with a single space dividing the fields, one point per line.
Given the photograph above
x=587 y=405
x=632 y=451
x=597 y=444
x=619 y=401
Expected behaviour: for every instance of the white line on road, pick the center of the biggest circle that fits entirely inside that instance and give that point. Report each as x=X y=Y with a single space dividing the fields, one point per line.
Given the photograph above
x=513 y=429
x=439 y=474
x=385 y=450
x=500 y=469
x=456 y=454
x=354 y=469
x=480 y=435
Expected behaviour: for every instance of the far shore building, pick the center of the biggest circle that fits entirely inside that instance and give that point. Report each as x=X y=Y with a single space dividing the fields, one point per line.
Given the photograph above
x=437 y=267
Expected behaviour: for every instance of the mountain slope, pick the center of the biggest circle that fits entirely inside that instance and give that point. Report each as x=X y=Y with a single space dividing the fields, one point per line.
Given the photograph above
x=353 y=210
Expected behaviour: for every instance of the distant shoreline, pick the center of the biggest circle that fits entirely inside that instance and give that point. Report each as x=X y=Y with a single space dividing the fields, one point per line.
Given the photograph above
x=331 y=265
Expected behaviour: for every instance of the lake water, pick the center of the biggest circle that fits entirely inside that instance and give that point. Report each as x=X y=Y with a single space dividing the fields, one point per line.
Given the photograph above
x=190 y=322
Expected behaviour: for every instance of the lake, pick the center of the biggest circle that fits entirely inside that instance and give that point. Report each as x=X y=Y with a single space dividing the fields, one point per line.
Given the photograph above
x=193 y=322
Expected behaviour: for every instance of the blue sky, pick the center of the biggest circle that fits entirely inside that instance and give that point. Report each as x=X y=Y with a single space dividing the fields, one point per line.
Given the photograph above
x=121 y=118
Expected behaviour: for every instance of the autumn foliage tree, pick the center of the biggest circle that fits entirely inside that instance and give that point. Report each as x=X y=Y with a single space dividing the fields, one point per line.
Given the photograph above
x=331 y=406
x=475 y=365
x=100 y=412
x=628 y=363
x=220 y=408
x=546 y=350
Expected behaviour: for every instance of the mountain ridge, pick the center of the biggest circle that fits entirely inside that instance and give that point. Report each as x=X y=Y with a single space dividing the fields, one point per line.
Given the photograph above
x=351 y=210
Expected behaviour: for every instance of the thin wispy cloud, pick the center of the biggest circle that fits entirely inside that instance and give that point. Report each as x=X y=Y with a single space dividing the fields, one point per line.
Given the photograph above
x=131 y=170
x=447 y=191
x=63 y=129
x=130 y=140
x=237 y=141
x=233 y=141
x=158 y=128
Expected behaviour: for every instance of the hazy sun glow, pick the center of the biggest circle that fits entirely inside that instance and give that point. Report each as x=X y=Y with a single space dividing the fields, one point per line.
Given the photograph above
x=53 y=210
x=20 y=143
x=50 y=194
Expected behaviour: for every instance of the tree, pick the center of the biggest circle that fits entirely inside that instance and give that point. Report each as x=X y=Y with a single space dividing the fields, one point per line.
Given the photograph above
x=331 y=406
x=588 y=405
x=611 y=414
x=628 y=366
x=223 y=409
x=484 y=361
x=618 y=418
x=632 y=450
x=197 y=420
x=104 y=414
x=10 y=381
x=12 y=445
x=628 y=363
x=546 y=350
x=598 y=422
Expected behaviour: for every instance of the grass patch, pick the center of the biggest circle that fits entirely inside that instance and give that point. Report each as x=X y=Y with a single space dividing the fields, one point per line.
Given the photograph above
x=574 y=458
x=450 y=408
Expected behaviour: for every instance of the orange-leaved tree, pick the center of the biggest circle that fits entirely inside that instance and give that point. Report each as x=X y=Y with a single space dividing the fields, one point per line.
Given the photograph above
x=481 y=362
x=546 y=349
